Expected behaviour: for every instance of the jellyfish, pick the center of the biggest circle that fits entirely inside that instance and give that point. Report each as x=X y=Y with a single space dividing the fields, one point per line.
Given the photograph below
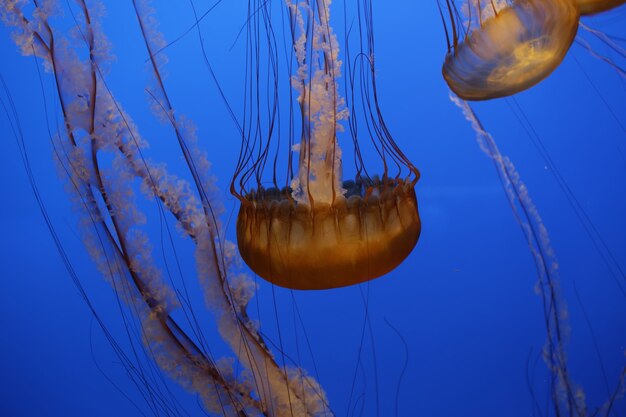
x=587 y=7
x=508 y=47
x=310 y=230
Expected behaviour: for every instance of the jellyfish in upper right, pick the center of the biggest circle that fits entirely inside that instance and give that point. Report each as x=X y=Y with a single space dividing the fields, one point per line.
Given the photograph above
x=500 y=48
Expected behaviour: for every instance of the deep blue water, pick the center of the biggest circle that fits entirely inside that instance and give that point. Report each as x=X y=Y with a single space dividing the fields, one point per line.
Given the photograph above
x=464 y=303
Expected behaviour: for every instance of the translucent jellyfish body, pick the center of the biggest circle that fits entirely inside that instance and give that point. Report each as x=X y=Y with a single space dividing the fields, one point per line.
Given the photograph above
x=511 y=51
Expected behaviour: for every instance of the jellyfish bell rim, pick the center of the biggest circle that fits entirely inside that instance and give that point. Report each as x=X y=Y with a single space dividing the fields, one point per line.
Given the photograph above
x=324 y=246
x=473 y=69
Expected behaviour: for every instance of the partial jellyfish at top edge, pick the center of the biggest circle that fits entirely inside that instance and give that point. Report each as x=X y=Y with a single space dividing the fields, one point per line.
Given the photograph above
x=496 y=49
x=499 y=48
x=300 y=226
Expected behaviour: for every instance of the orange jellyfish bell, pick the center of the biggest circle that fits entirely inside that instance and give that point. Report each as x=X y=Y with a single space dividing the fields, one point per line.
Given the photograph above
x=319 y=246
x=587 y=7
x=310 y=230
x=511 y=50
